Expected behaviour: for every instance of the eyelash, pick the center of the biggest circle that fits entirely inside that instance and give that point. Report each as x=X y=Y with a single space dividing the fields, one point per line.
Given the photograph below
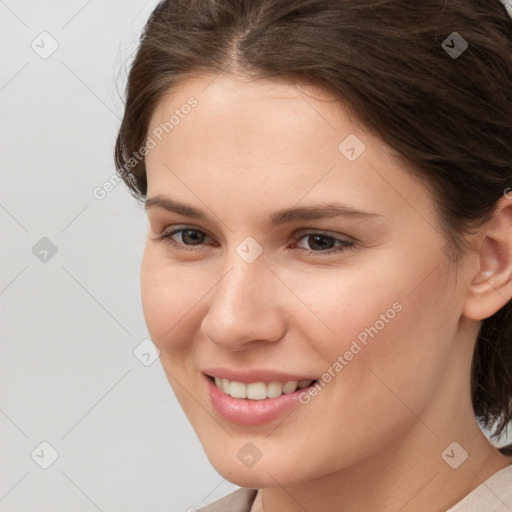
x=343 y=247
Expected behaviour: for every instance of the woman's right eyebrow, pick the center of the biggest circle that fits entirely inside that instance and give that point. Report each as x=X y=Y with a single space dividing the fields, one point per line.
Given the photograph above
x=170 y=205
x=312 y=212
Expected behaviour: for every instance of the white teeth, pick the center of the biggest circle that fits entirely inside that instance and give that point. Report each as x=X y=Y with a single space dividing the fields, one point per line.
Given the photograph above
x=255 y=391
x=238 y=390
x=259 y=390
x=274 y=389
x=290 y=386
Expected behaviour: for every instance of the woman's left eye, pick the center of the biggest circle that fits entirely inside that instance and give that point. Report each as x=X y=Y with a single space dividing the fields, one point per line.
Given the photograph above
x=321 y=242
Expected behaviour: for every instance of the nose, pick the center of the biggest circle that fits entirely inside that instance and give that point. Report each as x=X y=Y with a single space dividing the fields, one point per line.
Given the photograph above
x=246 y=306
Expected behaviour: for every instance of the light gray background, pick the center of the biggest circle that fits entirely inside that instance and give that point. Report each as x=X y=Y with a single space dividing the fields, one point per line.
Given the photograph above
x=70 y=324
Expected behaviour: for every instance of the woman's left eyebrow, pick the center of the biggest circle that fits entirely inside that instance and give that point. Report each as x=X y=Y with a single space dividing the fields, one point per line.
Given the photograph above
x=313 y=212
x=320 y=211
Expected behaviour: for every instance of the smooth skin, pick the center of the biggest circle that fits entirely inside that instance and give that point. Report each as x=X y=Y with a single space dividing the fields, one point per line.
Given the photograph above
x=373 y=438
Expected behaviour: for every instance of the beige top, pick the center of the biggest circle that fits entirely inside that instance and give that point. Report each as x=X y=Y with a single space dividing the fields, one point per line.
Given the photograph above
x=493 y=495
x=239 y=501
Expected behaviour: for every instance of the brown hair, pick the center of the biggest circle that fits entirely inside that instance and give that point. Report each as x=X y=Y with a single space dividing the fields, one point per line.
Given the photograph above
x=449 y=115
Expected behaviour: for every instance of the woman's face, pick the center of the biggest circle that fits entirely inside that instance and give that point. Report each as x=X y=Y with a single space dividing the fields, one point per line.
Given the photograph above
x=278 y=278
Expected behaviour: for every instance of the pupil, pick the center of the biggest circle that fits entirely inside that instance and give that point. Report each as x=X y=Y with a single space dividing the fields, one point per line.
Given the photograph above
x=319 y=237
x=192 y=235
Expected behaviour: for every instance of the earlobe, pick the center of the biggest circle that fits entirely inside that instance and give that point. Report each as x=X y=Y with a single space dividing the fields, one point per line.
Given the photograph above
x=491 y=285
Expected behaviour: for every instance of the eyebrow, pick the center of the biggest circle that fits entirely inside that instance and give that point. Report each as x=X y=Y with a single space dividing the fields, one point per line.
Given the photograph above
x=314 y=212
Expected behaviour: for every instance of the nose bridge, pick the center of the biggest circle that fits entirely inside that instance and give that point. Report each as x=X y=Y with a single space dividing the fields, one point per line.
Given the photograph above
x=243 y=305
x=243 y=282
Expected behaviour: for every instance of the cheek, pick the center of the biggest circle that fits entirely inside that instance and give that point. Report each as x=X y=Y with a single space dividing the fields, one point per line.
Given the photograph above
x=368 y=327
x=405 y=339
x=170 y=296
x=346 y=306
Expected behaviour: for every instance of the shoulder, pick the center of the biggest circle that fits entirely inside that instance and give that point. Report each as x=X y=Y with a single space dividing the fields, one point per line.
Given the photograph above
x=493 y=495
x=240 y=500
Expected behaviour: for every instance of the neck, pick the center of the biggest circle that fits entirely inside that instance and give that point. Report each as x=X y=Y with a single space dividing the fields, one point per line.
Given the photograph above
x=394 y=481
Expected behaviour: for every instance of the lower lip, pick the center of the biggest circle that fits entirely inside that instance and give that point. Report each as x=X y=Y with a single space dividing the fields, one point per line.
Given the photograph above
x=251 y=412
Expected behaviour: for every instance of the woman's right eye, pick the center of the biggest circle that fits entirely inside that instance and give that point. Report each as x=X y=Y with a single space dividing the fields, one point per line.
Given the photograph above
x=189 y=237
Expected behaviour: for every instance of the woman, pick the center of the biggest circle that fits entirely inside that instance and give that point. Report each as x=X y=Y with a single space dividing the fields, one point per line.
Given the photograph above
x=327 y=272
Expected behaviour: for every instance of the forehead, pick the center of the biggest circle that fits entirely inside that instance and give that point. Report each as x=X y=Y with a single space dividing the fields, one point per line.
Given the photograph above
x=264 y=136
x=239 y=114
x=246 y=109
x=219 y=91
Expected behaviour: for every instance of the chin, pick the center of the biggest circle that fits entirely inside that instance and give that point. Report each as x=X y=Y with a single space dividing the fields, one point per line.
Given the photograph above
x=253 y=478
x=266 y=472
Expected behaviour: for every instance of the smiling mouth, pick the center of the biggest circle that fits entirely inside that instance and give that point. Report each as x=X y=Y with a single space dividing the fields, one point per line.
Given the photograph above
x=259 y=390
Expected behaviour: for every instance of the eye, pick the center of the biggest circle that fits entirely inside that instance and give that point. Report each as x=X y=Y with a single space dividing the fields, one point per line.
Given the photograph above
x=189 y=238
x=322 y=243
x=185 y=238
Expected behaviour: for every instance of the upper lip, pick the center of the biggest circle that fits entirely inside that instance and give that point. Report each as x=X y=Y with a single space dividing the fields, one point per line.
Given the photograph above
x=254 y=375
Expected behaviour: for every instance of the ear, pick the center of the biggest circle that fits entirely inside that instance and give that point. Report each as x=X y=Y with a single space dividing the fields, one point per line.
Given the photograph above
x=491 y=285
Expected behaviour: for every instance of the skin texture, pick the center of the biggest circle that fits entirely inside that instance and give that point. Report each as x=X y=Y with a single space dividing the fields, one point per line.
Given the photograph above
x=372 y=439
